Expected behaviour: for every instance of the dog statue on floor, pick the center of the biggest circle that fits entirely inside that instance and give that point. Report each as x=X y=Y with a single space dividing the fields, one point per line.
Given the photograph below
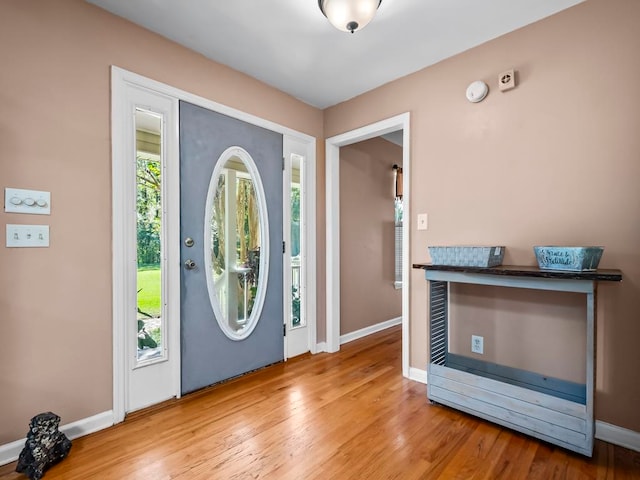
x=45 y=446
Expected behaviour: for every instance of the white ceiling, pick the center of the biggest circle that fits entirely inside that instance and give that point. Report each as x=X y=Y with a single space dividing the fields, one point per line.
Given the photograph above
x=290 y=45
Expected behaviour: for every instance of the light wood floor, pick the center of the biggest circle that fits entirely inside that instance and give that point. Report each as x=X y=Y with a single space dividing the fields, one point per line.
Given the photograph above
x=349 y=415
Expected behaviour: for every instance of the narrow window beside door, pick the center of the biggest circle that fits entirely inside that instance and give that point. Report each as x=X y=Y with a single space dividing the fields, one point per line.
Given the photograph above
x=297 y=298
x=149 y=322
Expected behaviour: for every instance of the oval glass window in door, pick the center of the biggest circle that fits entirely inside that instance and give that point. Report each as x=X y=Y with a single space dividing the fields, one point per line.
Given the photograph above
x=236 y=243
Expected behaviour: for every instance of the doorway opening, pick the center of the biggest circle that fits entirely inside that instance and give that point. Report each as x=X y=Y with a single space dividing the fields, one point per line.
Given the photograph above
x=370 y=237
x=333 y=144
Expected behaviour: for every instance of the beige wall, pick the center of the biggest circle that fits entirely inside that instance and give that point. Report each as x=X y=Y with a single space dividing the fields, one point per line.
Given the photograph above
x=510 y=321
x=482 y=172
x=367 y=236
x=555 y=161
x=55 y=303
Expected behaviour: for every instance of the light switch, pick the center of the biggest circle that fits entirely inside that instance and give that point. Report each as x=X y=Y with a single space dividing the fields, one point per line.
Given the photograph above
x=17 y=200
x=27 y=235
x=422 y=221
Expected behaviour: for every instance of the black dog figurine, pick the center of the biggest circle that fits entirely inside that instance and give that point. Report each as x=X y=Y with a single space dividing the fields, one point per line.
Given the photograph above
x=45 y=446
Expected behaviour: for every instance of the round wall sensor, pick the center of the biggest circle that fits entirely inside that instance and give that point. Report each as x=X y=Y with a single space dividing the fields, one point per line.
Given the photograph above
x=477 y=91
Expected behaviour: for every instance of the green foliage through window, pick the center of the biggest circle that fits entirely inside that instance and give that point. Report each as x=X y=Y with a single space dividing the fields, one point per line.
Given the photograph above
x=149 y=211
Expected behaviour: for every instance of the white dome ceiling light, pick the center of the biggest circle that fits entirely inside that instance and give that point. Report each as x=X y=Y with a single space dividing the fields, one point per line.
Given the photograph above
x=349 y=15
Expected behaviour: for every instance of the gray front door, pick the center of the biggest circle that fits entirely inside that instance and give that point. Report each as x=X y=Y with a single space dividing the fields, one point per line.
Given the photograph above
x=225 y=261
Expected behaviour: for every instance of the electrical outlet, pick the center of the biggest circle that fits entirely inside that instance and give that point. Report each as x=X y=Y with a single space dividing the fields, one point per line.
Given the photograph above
x=422 y=221
x=477 y=344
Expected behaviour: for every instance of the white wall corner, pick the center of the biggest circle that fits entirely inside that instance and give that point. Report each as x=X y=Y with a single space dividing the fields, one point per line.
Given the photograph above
x=618 y=436
x=10 y=451
x=418 y=375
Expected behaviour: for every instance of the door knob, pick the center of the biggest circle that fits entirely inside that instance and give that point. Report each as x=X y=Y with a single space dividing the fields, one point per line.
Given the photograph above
x=188 y=242
x=189 y=264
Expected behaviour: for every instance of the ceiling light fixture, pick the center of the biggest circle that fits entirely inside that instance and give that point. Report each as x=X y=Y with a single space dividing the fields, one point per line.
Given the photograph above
x=349 y=15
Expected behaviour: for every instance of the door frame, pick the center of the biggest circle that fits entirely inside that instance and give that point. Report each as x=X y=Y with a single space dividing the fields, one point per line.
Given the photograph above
x=123 y=301
x=332 y=146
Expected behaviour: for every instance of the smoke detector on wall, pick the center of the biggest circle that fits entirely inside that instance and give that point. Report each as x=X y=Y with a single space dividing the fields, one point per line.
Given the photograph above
x=477 y=91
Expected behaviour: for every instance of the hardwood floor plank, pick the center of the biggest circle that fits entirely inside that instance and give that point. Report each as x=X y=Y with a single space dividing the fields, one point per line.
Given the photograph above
x=627 y=464
x=349 y=415
x=514 y=454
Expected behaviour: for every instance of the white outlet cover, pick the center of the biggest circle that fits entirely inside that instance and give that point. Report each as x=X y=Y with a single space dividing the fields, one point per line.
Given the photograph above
x=422 y=221
x=477 y=344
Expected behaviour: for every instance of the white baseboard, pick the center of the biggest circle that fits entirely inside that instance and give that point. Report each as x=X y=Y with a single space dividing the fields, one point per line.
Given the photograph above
x=349 y=337
x=10 y=451
x=363 y=332
x=418 y=375
x=618 y=436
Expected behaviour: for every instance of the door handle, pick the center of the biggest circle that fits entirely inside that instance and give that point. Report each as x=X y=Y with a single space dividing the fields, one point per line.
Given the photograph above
x=189 y=242
x=189 y=264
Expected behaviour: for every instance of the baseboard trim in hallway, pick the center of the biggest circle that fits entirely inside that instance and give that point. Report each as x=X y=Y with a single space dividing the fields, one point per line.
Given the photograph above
x=363 y=332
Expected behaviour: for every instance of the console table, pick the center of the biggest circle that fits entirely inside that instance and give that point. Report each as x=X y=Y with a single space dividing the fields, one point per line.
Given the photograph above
x=549 y=409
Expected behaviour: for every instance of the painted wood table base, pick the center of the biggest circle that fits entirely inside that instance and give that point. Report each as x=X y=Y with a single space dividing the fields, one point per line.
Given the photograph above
x=555 y=417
